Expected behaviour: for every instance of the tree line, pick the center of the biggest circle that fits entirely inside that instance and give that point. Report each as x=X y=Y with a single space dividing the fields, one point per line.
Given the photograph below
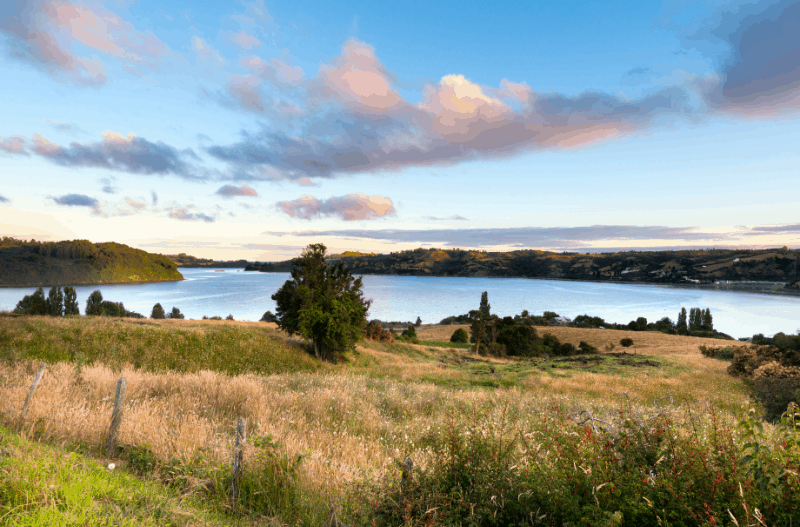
x=63 y=302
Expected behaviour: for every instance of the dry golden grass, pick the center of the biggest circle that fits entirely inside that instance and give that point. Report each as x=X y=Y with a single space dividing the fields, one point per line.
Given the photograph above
x=366 y=414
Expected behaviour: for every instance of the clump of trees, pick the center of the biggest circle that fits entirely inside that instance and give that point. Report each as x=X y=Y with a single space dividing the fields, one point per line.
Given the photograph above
x=269 y=316
x=58 y=303
x=96 y=306
x=323 y=303
x=375 y=331
x=158 y=313
x=493 y=335
x=409 y=335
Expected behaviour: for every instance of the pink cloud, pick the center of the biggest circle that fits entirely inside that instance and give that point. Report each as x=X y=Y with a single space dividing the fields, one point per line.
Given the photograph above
x=349 y=208
x=359 y=123
x=232 y=191
x=14 y=145
x=245 y=41
x=359 y=80
x=47 y=30
x=246 y=90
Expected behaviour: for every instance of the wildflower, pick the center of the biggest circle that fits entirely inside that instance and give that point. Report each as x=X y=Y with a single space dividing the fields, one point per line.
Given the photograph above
x=111 y=466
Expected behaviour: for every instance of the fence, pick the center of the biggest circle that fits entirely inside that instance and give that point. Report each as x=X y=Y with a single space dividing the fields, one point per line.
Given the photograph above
x=230 y=447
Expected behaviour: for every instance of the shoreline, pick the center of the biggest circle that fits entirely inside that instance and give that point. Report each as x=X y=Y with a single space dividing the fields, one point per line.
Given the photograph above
x=766 y=288
x=92 y=283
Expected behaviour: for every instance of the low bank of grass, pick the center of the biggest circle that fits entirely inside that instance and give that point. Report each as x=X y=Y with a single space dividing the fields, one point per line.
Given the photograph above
x=154 y=346
x=43 y=484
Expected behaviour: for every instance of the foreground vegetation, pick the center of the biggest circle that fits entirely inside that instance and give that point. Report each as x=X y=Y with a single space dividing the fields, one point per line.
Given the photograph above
x=79 y=262
x=494 y=441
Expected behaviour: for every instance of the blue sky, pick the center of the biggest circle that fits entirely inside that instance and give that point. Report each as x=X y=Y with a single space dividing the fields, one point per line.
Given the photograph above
x=248 y=130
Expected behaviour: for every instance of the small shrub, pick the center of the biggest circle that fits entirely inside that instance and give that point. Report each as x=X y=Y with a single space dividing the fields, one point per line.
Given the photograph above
x=626 y=343
x=269 y=317
x=610 y=346
x=460 y=335
x=585 y=347
x=566 y=349
x=496 y=349
x=229 y=317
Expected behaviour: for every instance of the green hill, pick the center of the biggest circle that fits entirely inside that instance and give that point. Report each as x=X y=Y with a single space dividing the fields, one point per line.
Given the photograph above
x=186 y=260
x=665 y=267
x=79 y=262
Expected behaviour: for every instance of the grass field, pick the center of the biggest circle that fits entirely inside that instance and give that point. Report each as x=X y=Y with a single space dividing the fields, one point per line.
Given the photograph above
x=354 y=422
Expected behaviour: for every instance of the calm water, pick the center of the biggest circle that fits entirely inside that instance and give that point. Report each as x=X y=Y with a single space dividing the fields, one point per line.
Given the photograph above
x=246 y=296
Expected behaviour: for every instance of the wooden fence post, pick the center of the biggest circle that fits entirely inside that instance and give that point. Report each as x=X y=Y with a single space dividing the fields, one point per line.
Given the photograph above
x=408 y=468
x=116 y=417
x=238 y=458
x=31 y=391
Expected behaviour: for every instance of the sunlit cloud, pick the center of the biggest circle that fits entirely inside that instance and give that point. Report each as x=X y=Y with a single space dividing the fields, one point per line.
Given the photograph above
x=349 y=208
x=183 y=214
x=232 y=191
x=14 y=145
x=46 y=33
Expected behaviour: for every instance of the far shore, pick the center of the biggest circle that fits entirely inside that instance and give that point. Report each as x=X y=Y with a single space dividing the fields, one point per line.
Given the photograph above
x=90 y=283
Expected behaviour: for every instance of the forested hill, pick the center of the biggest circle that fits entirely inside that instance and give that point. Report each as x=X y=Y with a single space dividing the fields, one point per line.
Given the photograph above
x=705 y=266
x=185 y=260
x=79 y=262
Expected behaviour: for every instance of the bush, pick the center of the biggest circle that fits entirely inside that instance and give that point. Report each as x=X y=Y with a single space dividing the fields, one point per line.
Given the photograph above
x=94 y=304
x=520 y=340
x=229 y=317
x=586 y=347
x=460 y=335
x=269 y=317
x=175 y=314
x=626 y=342
x=409 y=335
x=496 y=349
x=34 y=304
x=551 y=343
x=566 y=349
x=375 y=331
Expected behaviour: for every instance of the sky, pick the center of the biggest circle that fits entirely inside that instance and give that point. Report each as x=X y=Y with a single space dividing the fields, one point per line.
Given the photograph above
x=248 y=130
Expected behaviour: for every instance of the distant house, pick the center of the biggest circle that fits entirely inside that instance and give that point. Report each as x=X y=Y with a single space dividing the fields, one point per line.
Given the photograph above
x=735 y=260
x=560 y=321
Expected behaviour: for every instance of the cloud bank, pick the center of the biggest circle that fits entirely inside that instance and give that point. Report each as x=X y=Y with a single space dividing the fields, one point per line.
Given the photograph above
x=77 y=200
x=524 y=236
x=46 y=33
x=131 y=154
x=349 y=208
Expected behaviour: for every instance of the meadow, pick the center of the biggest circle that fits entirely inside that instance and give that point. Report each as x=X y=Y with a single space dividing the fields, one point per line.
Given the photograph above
x=646 y=435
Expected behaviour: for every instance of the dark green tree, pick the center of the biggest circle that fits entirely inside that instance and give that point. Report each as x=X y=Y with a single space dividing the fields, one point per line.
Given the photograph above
x=269 y=317
x=323 y=303
x=34 y=304
x=418 y=323
x=694 y=319
x=409 y=334
x=70 y=301
x=55 y=302
x=640 y=324
x=175 y=313
x=485 y=308
x=158 y=312
x=94 y=304
x=708 y=321
x=626 y=342
x=477 y=328
x=112 y=309
x=460 y=335
x=681 y=325
x=519 y=340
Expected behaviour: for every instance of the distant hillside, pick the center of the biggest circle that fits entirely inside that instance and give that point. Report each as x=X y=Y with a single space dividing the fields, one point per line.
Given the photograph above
x=79 y=262
x=665 y=267
x=185 y=260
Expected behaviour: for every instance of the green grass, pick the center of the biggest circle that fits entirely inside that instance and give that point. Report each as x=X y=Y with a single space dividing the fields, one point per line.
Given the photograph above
x=43 y=485
x=187 y=347
x=445 y=344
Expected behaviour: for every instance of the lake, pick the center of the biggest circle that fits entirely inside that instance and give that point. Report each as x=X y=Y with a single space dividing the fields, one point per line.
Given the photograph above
x=246 y=296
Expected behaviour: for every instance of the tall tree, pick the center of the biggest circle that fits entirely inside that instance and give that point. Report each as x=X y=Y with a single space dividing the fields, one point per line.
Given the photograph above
x=158 y=312
x=708 y=321
x=485 y=308
x=70 y=301
x=94 y=304
x=477 y=328
x=323 y=303
x=55 y=302
x=681 y=325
